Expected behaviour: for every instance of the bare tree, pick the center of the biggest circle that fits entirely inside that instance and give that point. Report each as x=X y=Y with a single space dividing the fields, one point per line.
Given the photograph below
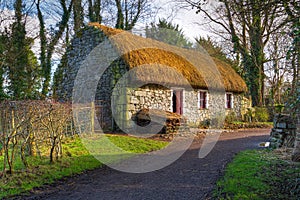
x=48 y=44
x=130 y=11
x=292 y=9
x=78 y=15
x=249 y=24
x=278 y=67
x=94 y=10
x=13 y=120
x=26 y=126
x=55 y=122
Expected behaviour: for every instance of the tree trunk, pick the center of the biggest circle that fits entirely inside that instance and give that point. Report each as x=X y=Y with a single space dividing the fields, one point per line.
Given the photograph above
x=94 y=12
x=120 y=16
x=78 y=15
x=48 y=47
x=53 y=145
x=257 y=54
x=23 y=153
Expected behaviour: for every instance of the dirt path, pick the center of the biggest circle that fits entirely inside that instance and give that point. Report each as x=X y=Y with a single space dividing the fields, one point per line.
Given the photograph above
x=188 y=178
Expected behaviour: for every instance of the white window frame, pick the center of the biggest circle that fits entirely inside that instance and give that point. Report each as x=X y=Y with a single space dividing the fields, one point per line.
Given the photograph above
x=206 y=99
x=231 y=100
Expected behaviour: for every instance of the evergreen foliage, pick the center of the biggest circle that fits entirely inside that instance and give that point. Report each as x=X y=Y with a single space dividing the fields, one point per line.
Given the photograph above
x=20 y=71
x=216 y=51
x=58 y=75
x=169 y=33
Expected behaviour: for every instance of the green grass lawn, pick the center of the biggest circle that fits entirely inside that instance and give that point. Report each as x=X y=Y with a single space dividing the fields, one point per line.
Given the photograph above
x=259 y=174
x=76 y=159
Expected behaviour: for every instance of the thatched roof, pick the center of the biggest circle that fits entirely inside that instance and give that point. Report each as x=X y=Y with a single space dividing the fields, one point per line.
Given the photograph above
x=150 y=58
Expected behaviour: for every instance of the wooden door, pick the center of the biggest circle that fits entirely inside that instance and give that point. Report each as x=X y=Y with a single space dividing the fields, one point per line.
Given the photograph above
x=178 y=101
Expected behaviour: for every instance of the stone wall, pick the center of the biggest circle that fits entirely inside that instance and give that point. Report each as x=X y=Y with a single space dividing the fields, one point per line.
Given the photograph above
x=158 y=97
x=216 y=102
x=238 y=105
x=191 y=111
x=106 y=88
x=80 y=47
x=284 y=132
x=149 y=97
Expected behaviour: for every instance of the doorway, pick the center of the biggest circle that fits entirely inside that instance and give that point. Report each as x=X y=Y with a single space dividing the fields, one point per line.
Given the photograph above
x=177 y=101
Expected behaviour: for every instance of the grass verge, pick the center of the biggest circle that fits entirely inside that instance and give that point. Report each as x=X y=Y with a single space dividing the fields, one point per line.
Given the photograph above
x=247 y=125
x=259 y=174
x=76 y=159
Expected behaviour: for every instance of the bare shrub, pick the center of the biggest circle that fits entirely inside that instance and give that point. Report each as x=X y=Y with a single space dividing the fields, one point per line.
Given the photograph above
x=28 y=126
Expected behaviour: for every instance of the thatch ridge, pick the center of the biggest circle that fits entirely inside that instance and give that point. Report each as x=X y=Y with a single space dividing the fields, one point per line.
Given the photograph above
x=106 y=30
x=138 y=51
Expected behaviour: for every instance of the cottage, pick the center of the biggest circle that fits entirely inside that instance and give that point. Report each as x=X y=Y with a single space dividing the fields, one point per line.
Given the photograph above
x=143 y=73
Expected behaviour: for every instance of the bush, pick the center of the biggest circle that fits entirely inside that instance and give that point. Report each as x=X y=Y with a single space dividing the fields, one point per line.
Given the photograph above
x=205 y=123
x=230 y=117
x=249 y=115
x=278 y=108
x=261 y=114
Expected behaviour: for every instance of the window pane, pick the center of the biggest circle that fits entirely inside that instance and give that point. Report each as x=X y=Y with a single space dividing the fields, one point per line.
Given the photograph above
x=228 y=100
x=202 y=99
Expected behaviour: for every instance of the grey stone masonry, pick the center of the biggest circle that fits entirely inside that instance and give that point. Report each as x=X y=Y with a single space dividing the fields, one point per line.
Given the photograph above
x=83 y=43
x=283 y=133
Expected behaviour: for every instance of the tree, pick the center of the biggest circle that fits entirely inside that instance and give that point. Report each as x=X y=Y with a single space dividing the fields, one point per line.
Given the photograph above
x=58 y=75
x=33 y=76
x=18 y=61
x=130 y=11
x=48 y=45
x=169 y=33
x=18 y=54
x=78 y=15
x=94 y=10
x=278 y=69
x=2 y=66
x=249 y=23
x=216 y=51
x=293 y=11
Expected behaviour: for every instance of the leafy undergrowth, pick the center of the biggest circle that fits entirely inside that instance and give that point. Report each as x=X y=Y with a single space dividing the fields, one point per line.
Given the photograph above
x=76 y=159
x=259 y=174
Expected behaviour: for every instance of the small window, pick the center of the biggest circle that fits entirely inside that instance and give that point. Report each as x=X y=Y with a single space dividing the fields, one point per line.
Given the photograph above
x=229 y=101
x=203 y=100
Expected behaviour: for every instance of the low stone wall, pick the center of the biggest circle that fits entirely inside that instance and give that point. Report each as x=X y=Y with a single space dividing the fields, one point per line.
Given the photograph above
x=284 y=132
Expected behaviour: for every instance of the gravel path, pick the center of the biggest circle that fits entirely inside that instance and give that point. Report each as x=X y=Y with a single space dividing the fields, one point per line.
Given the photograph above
x=187 y=178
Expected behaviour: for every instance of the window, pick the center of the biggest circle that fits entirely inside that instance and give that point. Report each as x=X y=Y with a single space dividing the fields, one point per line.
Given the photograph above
x=229 y=101
x=203 y=99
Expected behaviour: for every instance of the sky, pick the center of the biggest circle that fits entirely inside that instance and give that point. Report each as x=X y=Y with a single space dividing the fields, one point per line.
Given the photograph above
x=186 y=18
